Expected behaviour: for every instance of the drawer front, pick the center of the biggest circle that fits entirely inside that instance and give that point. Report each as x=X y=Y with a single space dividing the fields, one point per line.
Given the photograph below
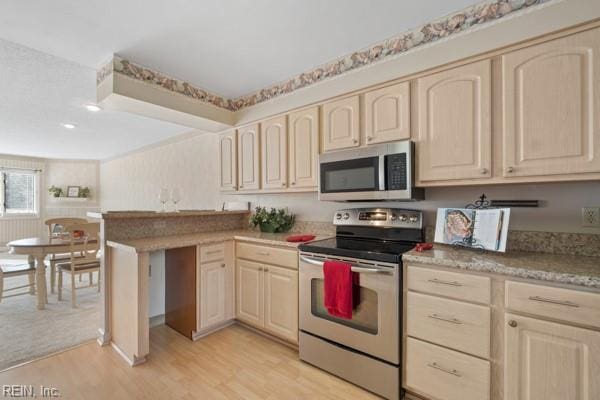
x=267 y=254
x=557 y=303
x=457 y=285
x=213 y=252
x=454 y=324
x=445 y=374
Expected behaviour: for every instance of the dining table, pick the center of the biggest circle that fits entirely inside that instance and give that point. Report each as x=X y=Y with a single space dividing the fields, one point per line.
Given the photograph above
x=37 y=249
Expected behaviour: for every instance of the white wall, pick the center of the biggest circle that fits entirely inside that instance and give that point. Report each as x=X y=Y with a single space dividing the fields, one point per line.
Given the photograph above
x=64 y=173
x=133 y=182
x=156 y=290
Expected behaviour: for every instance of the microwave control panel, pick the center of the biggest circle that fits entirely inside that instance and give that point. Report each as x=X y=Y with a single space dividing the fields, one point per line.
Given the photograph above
x=396 y=171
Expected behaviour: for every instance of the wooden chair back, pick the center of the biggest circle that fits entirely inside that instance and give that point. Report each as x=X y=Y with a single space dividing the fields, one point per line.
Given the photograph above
x=53 y=223
x=84 y=243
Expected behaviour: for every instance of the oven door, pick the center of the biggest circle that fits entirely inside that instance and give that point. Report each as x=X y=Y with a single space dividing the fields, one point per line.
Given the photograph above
x=375 y=325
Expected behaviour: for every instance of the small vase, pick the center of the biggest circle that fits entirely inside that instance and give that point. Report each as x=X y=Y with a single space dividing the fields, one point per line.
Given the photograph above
x=268 y=228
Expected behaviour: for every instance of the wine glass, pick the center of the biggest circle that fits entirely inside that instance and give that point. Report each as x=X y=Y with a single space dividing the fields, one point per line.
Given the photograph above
x=175 y=197
x=163 y=197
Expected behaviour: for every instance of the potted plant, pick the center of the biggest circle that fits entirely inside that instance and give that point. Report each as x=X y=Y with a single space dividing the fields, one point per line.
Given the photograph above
x=84 y=192
x=272 y=221
x=55 y=191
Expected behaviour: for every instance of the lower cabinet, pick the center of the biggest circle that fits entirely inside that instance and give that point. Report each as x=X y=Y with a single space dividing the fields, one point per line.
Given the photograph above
x=550 y=361
x=440 y=373
x=216 y=293
x=267 y=298
x=281 y=302
x=216 y=286
x=249 y=292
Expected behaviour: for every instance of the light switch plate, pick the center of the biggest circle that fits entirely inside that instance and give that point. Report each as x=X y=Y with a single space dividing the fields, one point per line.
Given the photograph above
x=590 y=217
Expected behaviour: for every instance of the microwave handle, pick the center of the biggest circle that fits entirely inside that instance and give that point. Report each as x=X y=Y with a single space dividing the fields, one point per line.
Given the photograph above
x=355 y=267
x=382 y=172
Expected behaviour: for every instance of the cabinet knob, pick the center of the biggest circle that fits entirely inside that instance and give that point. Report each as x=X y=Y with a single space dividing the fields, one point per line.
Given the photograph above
x=222 y=265
x=241 y=186
x=510 y=169
x=368 y=139
x=355 y=141
x=283 y=184
x=512 y=323
x=266 y=269
x=293 y=183
x=260 y=268
x=484 y=171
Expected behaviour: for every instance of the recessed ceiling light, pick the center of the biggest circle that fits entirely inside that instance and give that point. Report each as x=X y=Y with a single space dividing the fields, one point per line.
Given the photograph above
x=69 y=126
x=93 y=107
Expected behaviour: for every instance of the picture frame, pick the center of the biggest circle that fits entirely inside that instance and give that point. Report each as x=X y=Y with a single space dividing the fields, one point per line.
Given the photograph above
x=73 y=191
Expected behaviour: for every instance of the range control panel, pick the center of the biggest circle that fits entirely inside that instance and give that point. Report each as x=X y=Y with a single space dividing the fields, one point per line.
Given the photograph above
x=384 y=217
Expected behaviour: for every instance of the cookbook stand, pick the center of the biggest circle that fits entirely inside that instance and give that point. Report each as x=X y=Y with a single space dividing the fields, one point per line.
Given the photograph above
x=482 y=203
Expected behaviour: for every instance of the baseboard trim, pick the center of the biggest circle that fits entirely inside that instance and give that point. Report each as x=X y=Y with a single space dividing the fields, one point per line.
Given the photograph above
x=132 y=363
x=157 y=320
x=103 y=338
x=208 y=331
x=267 y=335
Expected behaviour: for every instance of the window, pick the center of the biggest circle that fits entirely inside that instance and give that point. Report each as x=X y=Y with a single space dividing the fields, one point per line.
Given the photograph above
x=19 y=193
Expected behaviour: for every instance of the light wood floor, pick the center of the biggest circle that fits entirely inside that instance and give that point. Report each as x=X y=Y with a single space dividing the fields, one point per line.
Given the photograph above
x=234 y=363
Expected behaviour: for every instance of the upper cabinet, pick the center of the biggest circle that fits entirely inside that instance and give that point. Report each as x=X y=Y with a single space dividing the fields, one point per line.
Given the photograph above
x=228 y=157
x=387 y=114
x=551 y=107
x=527 y=114
x=273 y=136
x=454 y=123
x=341 y=124
x=248 y=158
x=304 y=148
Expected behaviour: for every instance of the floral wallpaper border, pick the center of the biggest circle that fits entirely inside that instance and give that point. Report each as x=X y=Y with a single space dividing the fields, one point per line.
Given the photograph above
x=427 y=33
x=104 y=72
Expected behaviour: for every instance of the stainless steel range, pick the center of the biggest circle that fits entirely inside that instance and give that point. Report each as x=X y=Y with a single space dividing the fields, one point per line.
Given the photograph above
x=366 y=349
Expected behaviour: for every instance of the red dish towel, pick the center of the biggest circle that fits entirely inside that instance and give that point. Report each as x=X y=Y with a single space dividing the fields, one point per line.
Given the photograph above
x=300 y=238
x=339 y=282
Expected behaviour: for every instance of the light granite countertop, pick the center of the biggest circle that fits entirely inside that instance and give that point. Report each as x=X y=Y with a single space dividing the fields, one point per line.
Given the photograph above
x=566 y=269
x=193 y=239
x=155 y=214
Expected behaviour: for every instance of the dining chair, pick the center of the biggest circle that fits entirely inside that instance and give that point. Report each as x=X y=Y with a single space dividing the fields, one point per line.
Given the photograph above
x=57 y=226
x=11 y=271
x=84 y=247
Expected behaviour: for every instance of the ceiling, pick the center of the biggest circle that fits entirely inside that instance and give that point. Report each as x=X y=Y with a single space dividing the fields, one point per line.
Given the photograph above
x=51 y=50
x=231 y=47
x=39 y=92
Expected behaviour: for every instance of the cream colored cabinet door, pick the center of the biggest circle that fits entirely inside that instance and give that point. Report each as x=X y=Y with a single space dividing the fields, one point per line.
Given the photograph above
x=273 y=137
x=281 y=302
x=552 y=107
x=304 y=148
x=228 y=157
x=387 y=114
x=249 y=292
x=454 y=124
x=248 y=158
x=341 y=124
x=550 y=361
x=213 y=293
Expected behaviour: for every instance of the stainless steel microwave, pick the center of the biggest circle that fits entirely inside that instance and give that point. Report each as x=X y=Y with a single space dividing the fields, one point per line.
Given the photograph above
x=375 y=173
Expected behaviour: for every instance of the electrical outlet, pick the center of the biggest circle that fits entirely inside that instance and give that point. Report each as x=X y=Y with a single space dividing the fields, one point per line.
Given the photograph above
x=590 y=217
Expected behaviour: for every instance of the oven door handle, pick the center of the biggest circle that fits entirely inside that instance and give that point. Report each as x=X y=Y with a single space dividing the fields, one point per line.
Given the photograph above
x=360 y=268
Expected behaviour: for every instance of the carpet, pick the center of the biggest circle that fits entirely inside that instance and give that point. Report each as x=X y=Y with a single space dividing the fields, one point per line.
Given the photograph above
x=27 y=333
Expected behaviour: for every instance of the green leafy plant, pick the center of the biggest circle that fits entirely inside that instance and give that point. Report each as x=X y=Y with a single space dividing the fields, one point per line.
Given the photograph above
x=55 y=191
x=272 y=220
x=84 y=192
